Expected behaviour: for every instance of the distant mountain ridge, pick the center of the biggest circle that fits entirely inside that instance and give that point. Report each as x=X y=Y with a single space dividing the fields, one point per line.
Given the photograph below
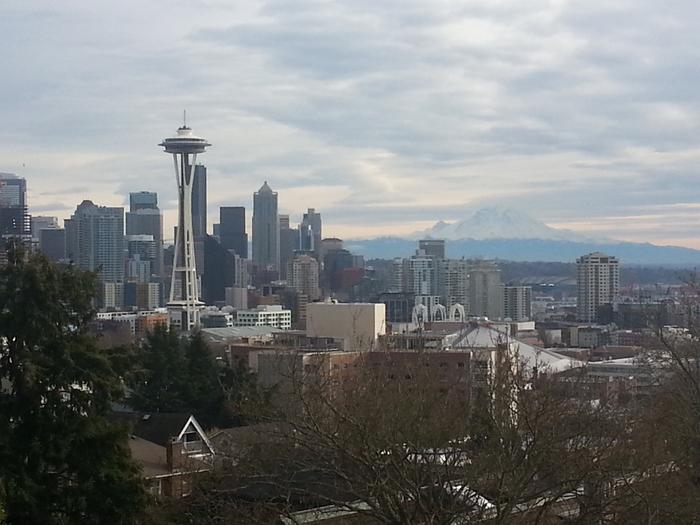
x=500 y=223
x=500 y=233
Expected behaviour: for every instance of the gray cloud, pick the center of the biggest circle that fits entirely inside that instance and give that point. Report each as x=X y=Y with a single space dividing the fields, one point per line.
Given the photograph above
x=392 y=112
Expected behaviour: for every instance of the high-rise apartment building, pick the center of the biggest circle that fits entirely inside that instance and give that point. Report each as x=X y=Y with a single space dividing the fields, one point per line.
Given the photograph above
x=14 y=218
x=303 y=276
x=232 y=232
x=517 y=303
x=144 y=218
x=453 y=281
x=485 y=290
x=598 y=280
x=433 y=247
x=266 y=240
x=95 y=240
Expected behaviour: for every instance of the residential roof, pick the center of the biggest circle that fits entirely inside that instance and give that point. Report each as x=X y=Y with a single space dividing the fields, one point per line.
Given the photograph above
x=157 y=427
x=484 y=336
x=238 y=332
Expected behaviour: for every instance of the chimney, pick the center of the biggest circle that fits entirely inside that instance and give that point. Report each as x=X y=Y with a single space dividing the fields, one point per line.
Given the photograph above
x=174 y=454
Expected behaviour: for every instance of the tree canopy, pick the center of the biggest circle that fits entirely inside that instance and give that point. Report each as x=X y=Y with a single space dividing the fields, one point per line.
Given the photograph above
x=62 y=460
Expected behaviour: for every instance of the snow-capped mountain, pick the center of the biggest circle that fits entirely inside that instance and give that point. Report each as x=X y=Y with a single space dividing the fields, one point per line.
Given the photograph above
x=499 y=223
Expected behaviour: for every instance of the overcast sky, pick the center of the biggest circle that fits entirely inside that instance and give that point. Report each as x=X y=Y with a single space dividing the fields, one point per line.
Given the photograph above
x=385 y=115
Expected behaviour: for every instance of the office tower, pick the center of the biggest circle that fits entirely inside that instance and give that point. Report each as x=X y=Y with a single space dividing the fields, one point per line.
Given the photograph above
x=142 y=296
x=184 y=305
x=219 y=271
x=334 y=264
x=433 y=247
x=143 y=200
x=453 y=282
x=41 y=222
x=289 y=243
x=144 y=218
x=95 y=240
x=14 y=218
x=598 y=280
x=232 y=232
x=310 y=232
x=266 y=241
x=199 y=201
x=142 y=253
x=328 y=244
x=52 y=243
x=302 y=273
x=485 y=290
x=517 y=303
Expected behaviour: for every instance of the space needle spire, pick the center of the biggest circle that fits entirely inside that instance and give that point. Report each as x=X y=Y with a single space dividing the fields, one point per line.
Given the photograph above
x=184 y=305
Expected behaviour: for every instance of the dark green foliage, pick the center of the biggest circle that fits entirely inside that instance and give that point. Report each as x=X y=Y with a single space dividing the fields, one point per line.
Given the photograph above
x=179 y=374
x=61 y=459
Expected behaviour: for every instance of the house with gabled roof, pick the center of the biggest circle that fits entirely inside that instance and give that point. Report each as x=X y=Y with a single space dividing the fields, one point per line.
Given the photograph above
x=171 y=448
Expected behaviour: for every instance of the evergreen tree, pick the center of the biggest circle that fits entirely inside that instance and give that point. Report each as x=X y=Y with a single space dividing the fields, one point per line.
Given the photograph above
x=61 y=459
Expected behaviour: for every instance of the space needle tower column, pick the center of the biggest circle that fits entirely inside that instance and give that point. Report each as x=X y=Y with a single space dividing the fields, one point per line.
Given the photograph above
x=184 y=305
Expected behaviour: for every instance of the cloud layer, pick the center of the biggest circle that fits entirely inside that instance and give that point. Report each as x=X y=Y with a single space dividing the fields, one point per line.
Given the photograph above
x=386 y=116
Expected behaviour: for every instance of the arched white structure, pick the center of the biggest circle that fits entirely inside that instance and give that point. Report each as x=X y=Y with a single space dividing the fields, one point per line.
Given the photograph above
x=457 y=313
x=419 y=315
x=439 y=313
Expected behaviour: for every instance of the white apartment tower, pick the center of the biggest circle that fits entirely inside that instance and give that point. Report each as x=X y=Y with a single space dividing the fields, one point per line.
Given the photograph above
x=598 y=280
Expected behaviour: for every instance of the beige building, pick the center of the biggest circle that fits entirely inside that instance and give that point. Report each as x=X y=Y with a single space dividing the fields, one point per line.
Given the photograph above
x=357 y=324
x=302 y=275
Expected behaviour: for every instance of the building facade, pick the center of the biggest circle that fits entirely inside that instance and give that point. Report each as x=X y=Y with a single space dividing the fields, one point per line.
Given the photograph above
x=598 y=283
x=266 y=243
x=517 y=303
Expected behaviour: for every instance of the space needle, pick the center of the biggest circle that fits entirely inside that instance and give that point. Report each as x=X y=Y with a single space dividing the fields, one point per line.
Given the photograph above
x=184 y=305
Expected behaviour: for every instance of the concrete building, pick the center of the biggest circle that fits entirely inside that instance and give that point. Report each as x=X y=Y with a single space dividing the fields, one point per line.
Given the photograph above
x=485 y=290
x=266 y=241
x=95 y=240
x=232 y=230
x=598 y=283
x=265 y=315
x=517 y=303
x=303 y=276
x=358 y=324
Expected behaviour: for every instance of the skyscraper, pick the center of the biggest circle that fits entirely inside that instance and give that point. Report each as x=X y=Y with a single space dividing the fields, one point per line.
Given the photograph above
x=266 y=242
x=184 y=304
x=232 y=232
x=598 y=280
x=14 y=219
x=199 y=201
x=310 y=232
x=95 y=240
x=144 y=218
x=289 y=243
x=143 y=200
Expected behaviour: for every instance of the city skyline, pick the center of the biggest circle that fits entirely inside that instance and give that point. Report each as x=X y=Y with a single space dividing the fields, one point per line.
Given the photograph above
x=385 y=120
